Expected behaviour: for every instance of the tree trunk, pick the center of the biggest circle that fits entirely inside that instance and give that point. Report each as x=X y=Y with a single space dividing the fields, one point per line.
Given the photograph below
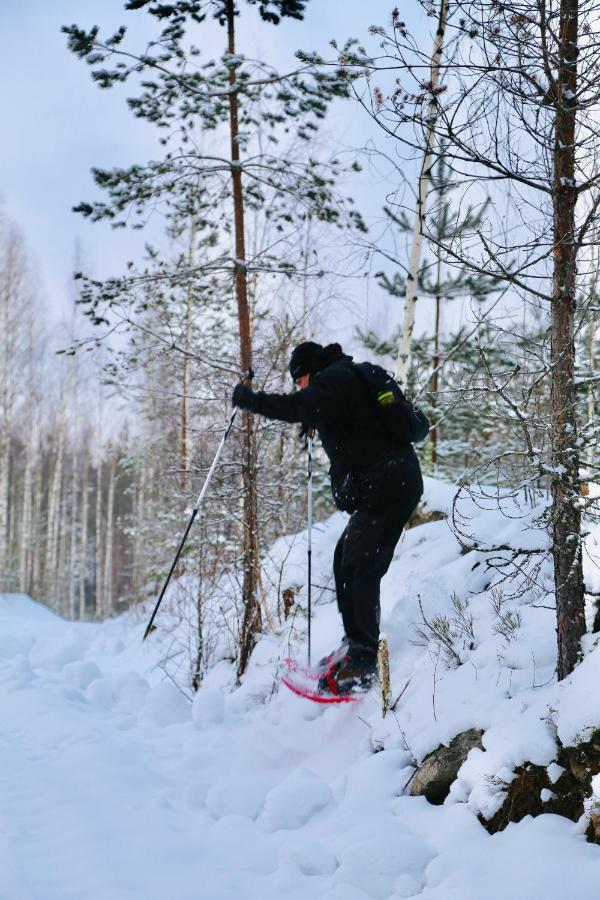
x=4 y=482
x=73 y=540
x=84 y=533
x=185 y=390
x=138 y=542
x=591 y=402
x=109 y=542
x=98 y=542
x=435 y=381
x=566 y=515
x=5 y=423
x=38 y=524
x=251 y=621
x=26 y=520
x=53 y=524
x=410 y=302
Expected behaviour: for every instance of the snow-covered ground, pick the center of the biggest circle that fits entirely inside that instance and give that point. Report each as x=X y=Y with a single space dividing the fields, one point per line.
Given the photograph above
x=113 y=786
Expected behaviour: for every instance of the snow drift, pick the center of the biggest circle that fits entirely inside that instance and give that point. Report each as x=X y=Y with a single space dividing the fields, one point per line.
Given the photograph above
x=113 y=785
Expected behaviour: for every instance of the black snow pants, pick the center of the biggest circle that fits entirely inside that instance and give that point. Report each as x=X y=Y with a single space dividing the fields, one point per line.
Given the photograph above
x=362 y=557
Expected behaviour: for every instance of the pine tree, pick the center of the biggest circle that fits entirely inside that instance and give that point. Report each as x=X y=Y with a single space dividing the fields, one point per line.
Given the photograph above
x=247 y=99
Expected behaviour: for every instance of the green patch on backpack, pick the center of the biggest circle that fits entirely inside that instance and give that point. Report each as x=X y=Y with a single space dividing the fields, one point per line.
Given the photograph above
x=384 y=398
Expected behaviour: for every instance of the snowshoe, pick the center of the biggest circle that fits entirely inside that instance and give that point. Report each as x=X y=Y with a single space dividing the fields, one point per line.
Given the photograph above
x=345 y=681
x=309 y=690
x=350 y=676
x=313 y=673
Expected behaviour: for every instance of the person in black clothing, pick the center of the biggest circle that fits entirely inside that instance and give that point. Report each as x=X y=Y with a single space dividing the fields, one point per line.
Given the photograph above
x=373 y=477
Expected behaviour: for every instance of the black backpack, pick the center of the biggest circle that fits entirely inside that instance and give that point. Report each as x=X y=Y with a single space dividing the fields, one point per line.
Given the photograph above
x=405 y=423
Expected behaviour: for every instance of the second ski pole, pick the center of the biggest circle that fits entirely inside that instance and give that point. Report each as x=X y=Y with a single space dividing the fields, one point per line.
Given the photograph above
x=247 y=378
x=309 y=543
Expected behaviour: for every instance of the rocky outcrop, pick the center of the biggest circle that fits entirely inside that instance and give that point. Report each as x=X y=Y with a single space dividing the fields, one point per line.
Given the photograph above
x=422 y=516
x=561 y=788
x=440 y=768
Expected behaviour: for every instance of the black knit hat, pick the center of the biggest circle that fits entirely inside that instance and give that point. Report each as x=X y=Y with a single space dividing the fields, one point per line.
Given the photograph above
x=309 y=357
x=306 y=359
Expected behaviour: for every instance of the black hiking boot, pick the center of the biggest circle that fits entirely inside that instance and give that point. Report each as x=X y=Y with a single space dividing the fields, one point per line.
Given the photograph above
x=353 y=674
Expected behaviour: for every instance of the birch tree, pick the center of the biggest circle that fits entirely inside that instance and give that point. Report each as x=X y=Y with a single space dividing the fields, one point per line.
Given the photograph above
x=429 y=157
x=520 y=114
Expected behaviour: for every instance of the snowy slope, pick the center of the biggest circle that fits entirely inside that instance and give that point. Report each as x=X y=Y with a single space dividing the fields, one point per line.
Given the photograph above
x=113 y=786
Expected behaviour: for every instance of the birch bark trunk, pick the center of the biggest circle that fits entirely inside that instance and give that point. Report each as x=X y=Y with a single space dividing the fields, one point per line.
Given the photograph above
x=84 y=533
x=98 y=543
x=38 y=524
x=26 y=520
x=53 y=523
x=410 y=303
x=109 y=542
x=73 y=556
x=6 y=300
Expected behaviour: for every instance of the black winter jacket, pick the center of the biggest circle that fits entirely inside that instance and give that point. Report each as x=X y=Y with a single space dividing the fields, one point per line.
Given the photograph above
x=368 y=469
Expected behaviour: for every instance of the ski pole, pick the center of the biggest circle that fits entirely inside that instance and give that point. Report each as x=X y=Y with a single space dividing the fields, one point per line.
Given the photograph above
x=309 y=550
x=150 y=627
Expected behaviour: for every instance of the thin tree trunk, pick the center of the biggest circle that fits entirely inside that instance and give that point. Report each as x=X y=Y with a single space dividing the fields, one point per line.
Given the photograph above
x=410 y=303
x=109 y=542
x=185 y=391
x=4 y=438
x=38 y=525
x=62 y=546
x=566 y=515
x=84 y=533
x=436 y=375
x=53 y=524
x=26 y=520
x=72 y=581
x=251 y=621
x=98 y=543
x=14 y=519
x=140 y=513
x=591 y=405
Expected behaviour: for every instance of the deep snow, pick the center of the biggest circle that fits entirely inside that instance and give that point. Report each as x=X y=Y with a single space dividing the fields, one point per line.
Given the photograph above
x=113 y=786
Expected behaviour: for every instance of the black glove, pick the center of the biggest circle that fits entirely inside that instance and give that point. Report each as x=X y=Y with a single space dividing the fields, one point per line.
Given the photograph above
x=244 y=397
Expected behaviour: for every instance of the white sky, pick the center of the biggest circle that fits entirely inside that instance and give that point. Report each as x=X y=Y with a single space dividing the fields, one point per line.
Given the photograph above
x=59 y=124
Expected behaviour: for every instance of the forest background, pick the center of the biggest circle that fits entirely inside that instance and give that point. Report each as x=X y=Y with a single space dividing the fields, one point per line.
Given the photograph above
x=104 y=446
